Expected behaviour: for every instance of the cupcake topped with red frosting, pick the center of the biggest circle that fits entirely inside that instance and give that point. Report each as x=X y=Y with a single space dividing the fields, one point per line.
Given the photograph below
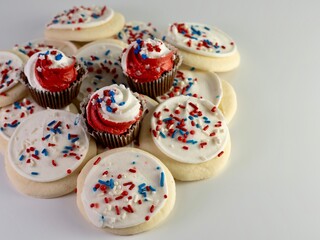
x=51 y=71
x=53 y=78
x=147 y=60
x=113 y=114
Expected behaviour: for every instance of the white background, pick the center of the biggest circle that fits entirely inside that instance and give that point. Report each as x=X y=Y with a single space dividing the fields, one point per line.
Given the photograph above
x=271 y=186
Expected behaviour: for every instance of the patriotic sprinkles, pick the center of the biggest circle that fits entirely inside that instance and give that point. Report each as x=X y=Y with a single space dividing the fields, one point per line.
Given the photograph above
x=189 y=129
x=102 y=60
x=135 y=30
x=49 y=150
x=200 y=39
x=10 y=69
x=124 y=189
x=11 y=116
x=81 y=17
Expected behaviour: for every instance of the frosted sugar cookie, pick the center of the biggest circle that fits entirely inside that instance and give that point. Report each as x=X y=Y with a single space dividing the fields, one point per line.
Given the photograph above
x=113 y=115
x=39 y=45
x=11 y=66
x=85 y=24
x=189 y=135
x=204 y=85
x=125 y=191
x=204 y=47
x=102 y=61
x=135 y=30
x=44 y=159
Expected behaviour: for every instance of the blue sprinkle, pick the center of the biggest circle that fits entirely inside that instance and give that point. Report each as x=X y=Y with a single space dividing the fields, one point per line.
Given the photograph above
x=51 y=123
x=162 y=135
x=142 y=185
x=68 y=147
x=198 y=125
x=190 y=117
x=94 y=189
x=122 y=103
x=136 y=28
x=109 y=109
x=69 y=136
x=174 y=133
x=46 y=137
x=21 y=158
x=152 y=189
x=17 y=105
x=133 y=162
x=36 y=152
x=138 y=41
x=195 y=31
x=65 y=151
x=96 y=16
x=206 y=28
x=181 y=132
x=167 y=119
x=22 y=51
x=58 y=57
x=34 y=173
x=162 y=179
x=120 y=35
x=75 y=139
x=1 y=129
x=207 y=121
x=107 y=53
x=192 y=69
x=163 y=38
x=45 y=152
x=55 y=21
x=144 y=56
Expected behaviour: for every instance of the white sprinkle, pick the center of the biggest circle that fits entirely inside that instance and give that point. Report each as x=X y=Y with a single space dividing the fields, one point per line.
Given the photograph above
x=39 y=69
x=123 y=216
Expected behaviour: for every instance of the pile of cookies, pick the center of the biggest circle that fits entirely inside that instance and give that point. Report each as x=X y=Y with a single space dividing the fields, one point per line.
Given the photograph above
x=116 y=111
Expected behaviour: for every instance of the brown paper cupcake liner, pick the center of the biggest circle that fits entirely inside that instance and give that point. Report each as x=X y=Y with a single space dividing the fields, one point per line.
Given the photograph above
x=112 y=140
x=56 y=100
x=160 y=86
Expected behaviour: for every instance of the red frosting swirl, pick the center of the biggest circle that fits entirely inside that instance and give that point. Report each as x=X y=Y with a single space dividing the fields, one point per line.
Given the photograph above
x=145 y=69
x=98 y=122
x=54 y=79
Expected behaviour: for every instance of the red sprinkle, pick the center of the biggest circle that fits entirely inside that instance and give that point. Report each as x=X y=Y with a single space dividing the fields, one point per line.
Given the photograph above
x=54 y=163
x=220 y=154
x=147 y=218
x=97 y=161
x=69 y=171
x=132 y=170
x=117 y=210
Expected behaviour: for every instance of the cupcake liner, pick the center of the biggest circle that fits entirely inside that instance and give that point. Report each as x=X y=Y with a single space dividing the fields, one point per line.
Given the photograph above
x=112 y=140
x=159 y=86
x=56 y=100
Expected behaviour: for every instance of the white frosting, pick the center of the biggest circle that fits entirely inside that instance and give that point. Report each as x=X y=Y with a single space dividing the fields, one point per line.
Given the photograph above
x=201 y=39
x=81 y=17
x=11 y=116
x=30 y=67
x=48 y=151
x=200 y=84
x=137 y=183
x=159 y=49
x=122 y=99
x=39 y=45
x=200 y=137
x=137 y=30
x=10 y=69
x=102 y=60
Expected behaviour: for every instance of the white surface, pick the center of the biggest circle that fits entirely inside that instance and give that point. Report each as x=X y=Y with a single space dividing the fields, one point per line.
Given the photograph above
x=270 y=188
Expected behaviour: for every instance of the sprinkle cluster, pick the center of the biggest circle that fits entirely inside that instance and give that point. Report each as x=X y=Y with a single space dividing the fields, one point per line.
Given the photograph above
x=31 y=48
x=11 y=116
x=8 y=75
x=189 y=126
x=78 y=15
x=200 y=37
x=124 y=195
x=108 y=98
x=133 y=31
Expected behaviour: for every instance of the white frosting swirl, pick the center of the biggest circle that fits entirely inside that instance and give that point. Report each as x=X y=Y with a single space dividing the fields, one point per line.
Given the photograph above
x=49 y=150
x=189 y=130
x=10 y=69
x=194 y=83
x=124 y=189
x=81 y=17
x=57 y=62
x=11 y=116
x=102 y=60
x=200 y=39
x=124 y=105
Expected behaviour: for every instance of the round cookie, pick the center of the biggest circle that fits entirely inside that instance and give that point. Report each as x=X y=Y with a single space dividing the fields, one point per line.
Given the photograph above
x=204 y=47
x=135 y=30
x=85 y=24
x=39 y=45
x=11 y=66
x=125 y=191
x=44 y=159
x=200 y=156
x=101 y=58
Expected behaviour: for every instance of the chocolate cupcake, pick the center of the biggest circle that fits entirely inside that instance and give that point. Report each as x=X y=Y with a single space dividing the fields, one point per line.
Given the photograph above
x=52 y=78
x=150 y=66
x=113 y=115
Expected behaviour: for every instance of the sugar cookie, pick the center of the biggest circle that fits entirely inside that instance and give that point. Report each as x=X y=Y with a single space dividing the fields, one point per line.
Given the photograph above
x=204 y=47
x=85 y=24
x=44 y=159
x=125 y=191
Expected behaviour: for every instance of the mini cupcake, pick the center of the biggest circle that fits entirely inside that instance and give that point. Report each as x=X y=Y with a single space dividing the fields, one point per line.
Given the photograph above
x=150 y=66
x=53 y=78
x=113 y=115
